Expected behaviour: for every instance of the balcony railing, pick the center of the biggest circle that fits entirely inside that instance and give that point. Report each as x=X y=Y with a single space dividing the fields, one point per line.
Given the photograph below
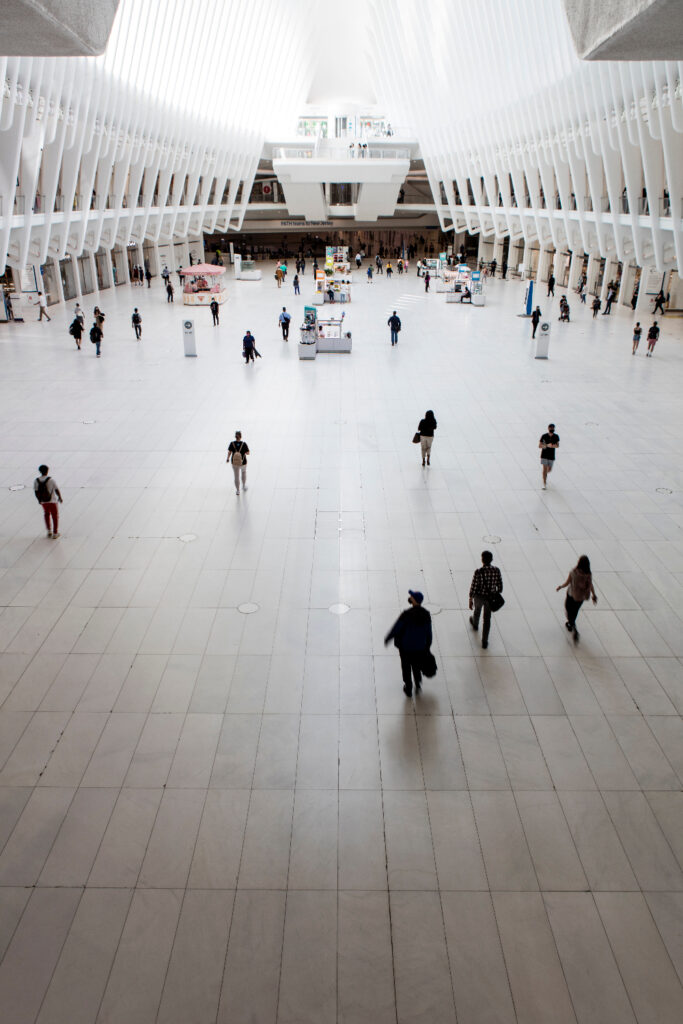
x=19 y=205
x=39 y=203
x=58 y=205
x=588 y=203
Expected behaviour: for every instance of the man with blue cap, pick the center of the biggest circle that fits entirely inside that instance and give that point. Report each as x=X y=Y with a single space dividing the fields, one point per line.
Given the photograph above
x=412 y=634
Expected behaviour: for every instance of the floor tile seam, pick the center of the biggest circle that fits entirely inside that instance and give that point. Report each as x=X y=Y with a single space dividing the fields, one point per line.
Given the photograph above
x=639 y=714
x=660 y=832
x=62 y=944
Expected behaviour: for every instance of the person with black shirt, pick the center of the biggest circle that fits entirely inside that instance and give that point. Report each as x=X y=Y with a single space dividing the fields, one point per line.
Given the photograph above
x=548 y=443
x=652 y=337
x=551 y=285
x=412 y=635
x=215 y=311
x=596 y=306
x=660 y=298
x=426 y=429
x=169 y=292
x=76 y=331
x=637 y=332
x=486 y=582
x=136 y=320
x=394 y=322
x=96 y=337
x=248 y=347
x=504 y=269
x=237 y=456
x=535 y=320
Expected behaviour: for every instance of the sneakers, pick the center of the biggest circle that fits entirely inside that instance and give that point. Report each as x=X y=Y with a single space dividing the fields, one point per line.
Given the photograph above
x=245 y=488
x=475 y=628
x=237 y=492
x=54 y=536
x=49 y=534
x=484 y=644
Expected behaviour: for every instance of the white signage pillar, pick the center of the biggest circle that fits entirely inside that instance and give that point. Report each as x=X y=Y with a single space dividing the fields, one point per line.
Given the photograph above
x=189 y=342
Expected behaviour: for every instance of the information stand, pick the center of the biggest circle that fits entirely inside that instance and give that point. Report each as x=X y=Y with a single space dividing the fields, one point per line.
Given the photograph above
x=542 y=340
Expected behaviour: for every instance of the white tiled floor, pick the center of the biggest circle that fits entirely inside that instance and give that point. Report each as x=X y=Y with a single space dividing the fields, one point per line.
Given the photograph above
x=210 y=816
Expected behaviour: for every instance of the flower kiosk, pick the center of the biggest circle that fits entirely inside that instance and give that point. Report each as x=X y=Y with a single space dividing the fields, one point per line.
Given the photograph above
x=202 y=283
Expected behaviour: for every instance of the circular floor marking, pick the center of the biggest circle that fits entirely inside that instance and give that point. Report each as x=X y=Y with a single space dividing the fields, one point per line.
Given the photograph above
x=17 y=487
x=339 y=609
x=248 y=608
x=660 y=490
x=491 y=538
x=186 y=538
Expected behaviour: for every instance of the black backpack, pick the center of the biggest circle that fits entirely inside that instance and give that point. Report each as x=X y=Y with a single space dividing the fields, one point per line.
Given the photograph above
x=72 y=329
x=137 y=319
x=43 y=491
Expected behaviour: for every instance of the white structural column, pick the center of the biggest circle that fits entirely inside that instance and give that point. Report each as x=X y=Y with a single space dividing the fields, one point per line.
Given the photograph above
x=93 y=271
x=77 y=276
x=592 y=273
x=544 y=261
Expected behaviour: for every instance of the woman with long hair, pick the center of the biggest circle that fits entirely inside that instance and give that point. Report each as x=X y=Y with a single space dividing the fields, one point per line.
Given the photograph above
x=426 y=429
x=580 y=587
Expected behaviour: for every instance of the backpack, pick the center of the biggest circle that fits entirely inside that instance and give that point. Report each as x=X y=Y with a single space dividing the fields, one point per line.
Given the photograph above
x=43 y=491
x=137 y=319
x=72 y=330
x=237 y=459
x=94 y=332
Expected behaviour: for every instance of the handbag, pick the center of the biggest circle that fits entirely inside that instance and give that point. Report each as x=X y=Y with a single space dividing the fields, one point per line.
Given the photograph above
x=496 y=602
x=429 y=666
x=416 y=437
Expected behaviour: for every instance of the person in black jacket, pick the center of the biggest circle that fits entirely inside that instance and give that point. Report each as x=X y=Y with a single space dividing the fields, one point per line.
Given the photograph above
x=412 y=634
x=215 y=310
x=535 y=319
x=394 y=322
x=426 y=428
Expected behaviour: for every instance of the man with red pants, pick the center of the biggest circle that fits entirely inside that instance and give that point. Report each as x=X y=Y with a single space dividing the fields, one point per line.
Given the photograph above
x=45 y=490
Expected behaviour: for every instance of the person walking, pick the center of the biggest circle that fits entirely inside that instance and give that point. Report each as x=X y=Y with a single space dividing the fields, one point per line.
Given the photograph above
x=169 y=292
x=136 y=320
x=389 y=270
x=42 y=302
x=237 y=456
x=611 y=292
x=486 y=582
x=378 y=264
x=579 y=584
x=283 y=320
x=45 y=490
x=358 y=260
x=303 y=266
x=248 y=347
x=548 y=443
x=637 y=332
x=394 y=322
x=279 y=276
x=368 y=274
x=412 y=635
x=551 y=285
x=659 y=302
x=596 y=306
x=504 y=270
x=148 y=277
x=76 y=331
x=165 y=276
x=494 y=267
x=295 y=282
x=582 y=292
x=428 y=278
x=652 y=338
x=215 y=312
x=134 y=276
x=535 y=320
x=79 y=314
x=425 y=429
x=96 y=336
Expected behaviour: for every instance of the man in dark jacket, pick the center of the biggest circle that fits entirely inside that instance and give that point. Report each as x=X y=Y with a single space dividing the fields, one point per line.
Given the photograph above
x=486 y=582
x=412 y=634
x=215 y=310
x=535 y=319
x=394 y=322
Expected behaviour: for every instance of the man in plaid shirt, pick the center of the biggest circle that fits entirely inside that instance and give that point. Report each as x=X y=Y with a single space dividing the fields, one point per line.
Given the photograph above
x=485 y=582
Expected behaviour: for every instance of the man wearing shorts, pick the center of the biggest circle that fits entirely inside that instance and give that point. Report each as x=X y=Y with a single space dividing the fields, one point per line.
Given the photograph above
x=548 y=443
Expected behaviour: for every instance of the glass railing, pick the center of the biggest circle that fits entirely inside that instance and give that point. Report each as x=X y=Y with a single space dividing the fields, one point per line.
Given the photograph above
x=350 y=152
